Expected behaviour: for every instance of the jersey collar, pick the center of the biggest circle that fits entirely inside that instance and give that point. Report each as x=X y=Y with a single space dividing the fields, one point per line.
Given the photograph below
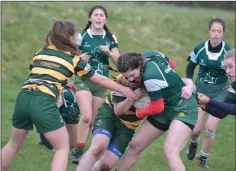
x=53 y=47
x=207 y=48
x=90 y=34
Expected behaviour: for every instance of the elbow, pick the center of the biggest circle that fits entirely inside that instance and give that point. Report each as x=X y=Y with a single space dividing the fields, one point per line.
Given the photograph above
x=159 y=109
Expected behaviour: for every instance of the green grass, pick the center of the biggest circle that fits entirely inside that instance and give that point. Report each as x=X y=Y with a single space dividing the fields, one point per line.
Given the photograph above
x=172 y=30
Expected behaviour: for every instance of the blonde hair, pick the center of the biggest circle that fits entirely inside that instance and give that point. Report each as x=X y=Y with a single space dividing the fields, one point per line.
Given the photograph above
x=230 y=54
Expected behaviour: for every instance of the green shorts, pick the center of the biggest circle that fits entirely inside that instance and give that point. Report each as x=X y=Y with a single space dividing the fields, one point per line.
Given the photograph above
x=108 y=124
x=217 y=92
x=87 y=85
x=186 y=111
x=36 y=107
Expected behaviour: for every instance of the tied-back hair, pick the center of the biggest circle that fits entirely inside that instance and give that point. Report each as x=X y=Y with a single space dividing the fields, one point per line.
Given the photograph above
x=130 y=61
x=60 y=34
x=217 y=20
x=109 y=34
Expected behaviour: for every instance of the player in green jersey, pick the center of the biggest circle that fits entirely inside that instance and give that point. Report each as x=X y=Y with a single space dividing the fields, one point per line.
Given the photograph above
x=100 y=44
x=228 y=106
x=212 y=81
x=51 y=69
x=166 y=111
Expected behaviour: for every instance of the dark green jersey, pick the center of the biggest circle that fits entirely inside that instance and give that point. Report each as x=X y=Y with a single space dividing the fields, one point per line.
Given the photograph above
x=161 y=81
x=52 y=68
x=90 y=43
x=154 y=53
x=211 y=63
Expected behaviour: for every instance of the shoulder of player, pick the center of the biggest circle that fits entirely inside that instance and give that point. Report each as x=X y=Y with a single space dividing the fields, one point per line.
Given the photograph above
x=199 y=47
x=151 y=69
x=83 y=34
x=153 y=53
x=113 y=36
x=227 y=47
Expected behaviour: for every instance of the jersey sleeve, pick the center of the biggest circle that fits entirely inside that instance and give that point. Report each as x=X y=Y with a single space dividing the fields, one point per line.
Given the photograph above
x=82 y=68
x=117 y=97
x=114 y=44
x=227 y=47
x=79 y=41
x=154 y=81
x=193 y=56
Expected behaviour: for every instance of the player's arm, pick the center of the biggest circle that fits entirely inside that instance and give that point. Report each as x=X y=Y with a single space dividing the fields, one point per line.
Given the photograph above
x=224 y=107
x=154 y=81
x=192 y=58
x=83 y=69
x=121 y=107
x=113 y=52
x=227 y=106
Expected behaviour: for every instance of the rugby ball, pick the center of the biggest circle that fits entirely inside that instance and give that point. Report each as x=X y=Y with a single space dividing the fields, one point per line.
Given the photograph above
x=142 y=103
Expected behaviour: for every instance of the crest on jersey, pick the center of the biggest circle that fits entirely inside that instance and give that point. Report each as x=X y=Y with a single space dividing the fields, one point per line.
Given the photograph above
x=87 y=67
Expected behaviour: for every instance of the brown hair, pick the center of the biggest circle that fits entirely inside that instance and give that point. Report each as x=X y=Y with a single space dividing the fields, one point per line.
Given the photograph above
x=230 y=54
x=60 y=34
x=217 y=20
x=131 y=61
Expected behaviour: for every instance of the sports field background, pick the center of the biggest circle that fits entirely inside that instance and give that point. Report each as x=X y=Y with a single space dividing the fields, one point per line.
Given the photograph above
x=169 y=29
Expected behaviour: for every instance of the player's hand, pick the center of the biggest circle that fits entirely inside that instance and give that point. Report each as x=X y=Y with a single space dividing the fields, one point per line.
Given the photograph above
x=71 y=86
x=130 y=94
x=85 y=56
x=202 y=99
x=105 y=49
x=186 y=92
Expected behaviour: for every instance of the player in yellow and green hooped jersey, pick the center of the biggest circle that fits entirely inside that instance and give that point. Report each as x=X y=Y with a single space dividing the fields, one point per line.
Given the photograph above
x=168 y=110
x=51 y=69
x=212 y=81
x=99 y=44
x=113 y=129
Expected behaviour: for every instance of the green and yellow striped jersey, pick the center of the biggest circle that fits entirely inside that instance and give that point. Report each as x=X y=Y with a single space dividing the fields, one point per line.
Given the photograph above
x=129 y=118
x=52 y=68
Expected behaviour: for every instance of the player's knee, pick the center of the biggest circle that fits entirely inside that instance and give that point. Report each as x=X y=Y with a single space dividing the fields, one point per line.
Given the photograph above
x=135 y=146
x=210 y=133
x=196 y=132
x=98 y=150
x=86 y=119
x=105 y=167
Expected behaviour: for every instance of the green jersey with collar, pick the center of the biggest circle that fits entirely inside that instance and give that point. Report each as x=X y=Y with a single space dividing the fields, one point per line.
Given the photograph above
x=161 y=81
x=89 y=43
x=211 y=63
